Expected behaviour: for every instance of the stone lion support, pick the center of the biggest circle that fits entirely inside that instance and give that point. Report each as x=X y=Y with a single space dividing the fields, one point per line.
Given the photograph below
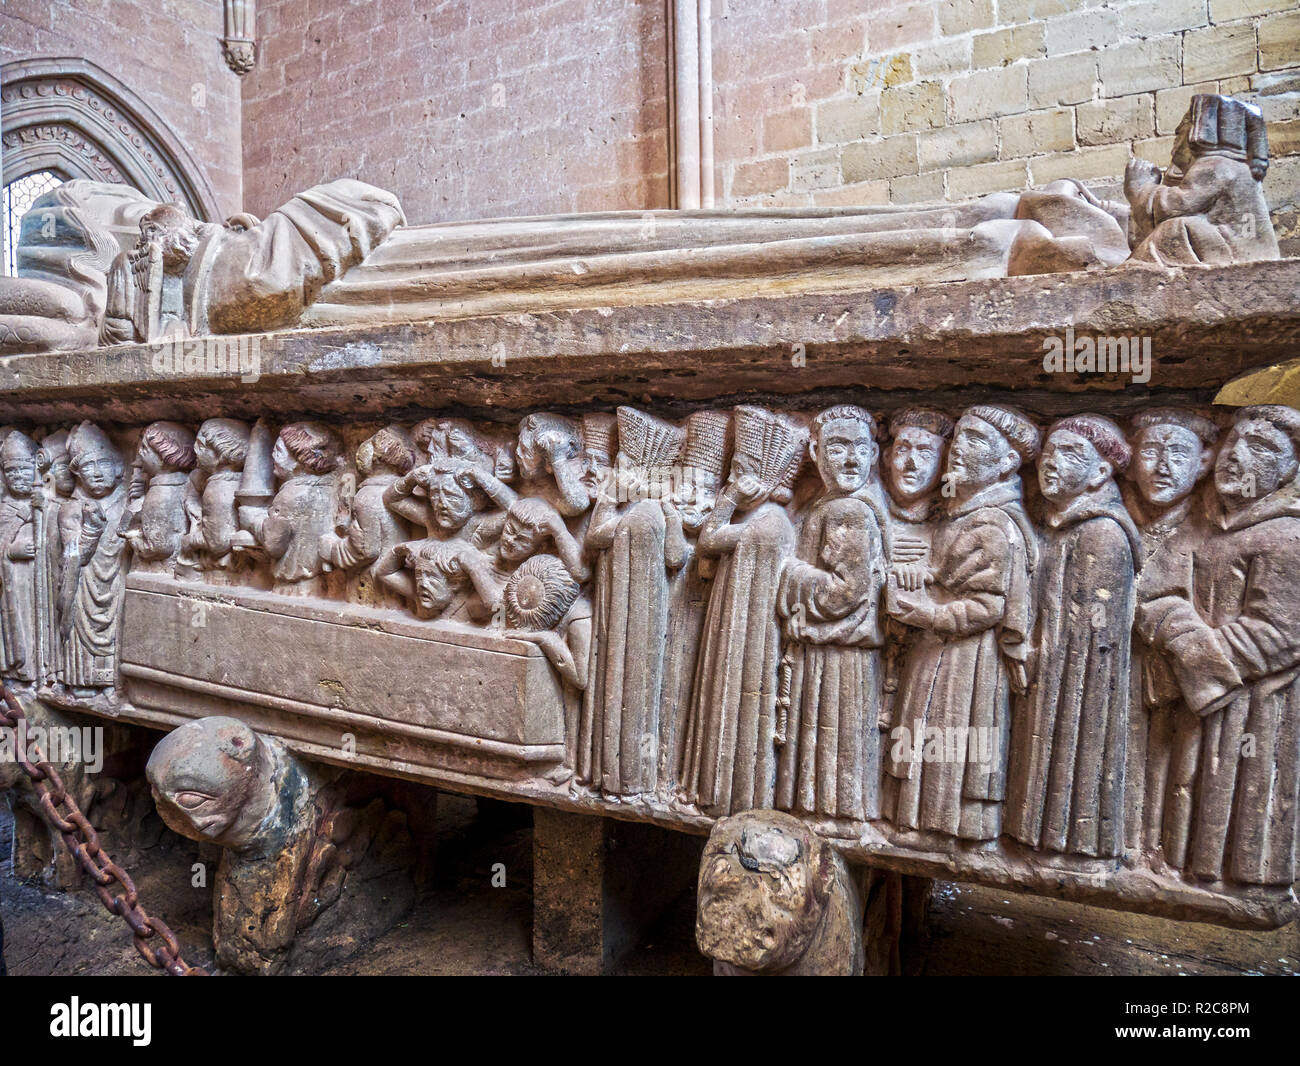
x=776 y=900
x=311 y=867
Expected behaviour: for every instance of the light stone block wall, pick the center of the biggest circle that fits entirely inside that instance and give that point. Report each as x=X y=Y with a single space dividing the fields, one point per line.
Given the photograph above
x=829 y=102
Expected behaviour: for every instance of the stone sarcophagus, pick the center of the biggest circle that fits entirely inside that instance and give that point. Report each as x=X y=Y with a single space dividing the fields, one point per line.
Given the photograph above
x=921 y=527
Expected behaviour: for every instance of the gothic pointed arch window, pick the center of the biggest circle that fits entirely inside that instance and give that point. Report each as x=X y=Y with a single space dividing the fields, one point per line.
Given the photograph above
x=62 y=119
x=19 y=195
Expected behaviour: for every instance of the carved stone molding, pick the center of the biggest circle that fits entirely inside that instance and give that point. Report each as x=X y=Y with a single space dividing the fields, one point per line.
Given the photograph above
x=69 y=115
x=239 y=45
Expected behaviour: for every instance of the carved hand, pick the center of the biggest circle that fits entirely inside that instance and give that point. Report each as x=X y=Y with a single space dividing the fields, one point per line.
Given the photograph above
x=746 y=490
x=23 y=546
x=93 y=520
x=912 y=577
x=1140 y=173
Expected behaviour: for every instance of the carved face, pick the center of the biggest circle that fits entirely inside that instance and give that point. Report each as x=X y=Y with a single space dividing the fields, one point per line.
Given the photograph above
x=1256 y=460
x=756 y=904
x=979 y=456
x=518 y=540
x=282 y=460
x=1070 y=465
x=174 y=232
x=205 y=452
x=746 y=477
x=565 y=460
x=19 y=475
x=98 y=471
x=150 y=461
x=206 y=779
x=61 y=474
x=845 y=454
x=434 y=590
x=1167 y=463
x=913 y=464
x=450 y=502
x=695 y=494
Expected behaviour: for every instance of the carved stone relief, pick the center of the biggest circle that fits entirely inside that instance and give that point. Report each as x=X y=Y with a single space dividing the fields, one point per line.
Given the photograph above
x=183 y=278
x=889 y=642
x=1034 y=647
x=77 y=117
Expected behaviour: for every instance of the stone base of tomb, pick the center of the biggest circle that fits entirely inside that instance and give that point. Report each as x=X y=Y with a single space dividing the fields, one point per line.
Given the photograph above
x=597 y=885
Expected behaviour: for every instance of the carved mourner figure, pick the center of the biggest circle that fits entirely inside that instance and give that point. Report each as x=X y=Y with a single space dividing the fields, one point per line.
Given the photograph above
x=829 y=599
x=59 y=485
x=913 y=464
x=1209 y=206
x=704 y=461
x=307 y=457
x=220 y=447
x=552 y=444
x=372 y=529
x=1173 y=450
x=161 y=485
x=1234 y=647
x=544 y=605
x=21 y=567
x=431 y=579
x=1066 y=792
x=91 y=531
x=973 y=625
x=730 y=755
x=527 y=528
x=450 y=496
x=636 y=534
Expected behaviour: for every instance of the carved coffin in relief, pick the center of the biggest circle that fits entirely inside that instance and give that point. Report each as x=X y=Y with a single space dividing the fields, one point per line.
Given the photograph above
x=442 y=697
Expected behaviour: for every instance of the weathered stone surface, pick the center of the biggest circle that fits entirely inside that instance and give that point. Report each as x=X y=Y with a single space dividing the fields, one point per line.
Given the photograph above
x=775 y=900
x=592 y=897
x=1206 y=325
x=300 y=848
x=760 y=594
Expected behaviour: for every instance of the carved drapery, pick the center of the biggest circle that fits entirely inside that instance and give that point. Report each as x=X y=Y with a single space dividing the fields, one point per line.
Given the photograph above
x=70 y=116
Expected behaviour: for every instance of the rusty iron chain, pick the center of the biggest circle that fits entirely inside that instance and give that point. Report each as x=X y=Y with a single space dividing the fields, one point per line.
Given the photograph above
x=79 y=836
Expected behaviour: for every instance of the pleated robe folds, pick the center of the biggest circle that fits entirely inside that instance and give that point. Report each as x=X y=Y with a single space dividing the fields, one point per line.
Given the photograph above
x=619 y=742
x=1066 y=791
x=953 y=676
x=730 y=754
x=830 y=763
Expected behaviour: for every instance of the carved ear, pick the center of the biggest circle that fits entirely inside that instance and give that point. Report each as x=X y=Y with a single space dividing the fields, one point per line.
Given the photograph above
x=1208 y=457
x=526 y=451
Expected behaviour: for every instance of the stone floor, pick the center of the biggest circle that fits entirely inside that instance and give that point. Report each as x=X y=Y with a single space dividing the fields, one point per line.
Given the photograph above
x=462 y=925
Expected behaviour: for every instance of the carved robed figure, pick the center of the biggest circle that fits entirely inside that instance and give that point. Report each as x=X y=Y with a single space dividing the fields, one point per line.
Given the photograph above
x=969 y=652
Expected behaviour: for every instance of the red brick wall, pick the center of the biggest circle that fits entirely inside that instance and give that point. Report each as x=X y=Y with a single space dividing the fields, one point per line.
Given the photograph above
x=160 y=49
x=496 y=107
